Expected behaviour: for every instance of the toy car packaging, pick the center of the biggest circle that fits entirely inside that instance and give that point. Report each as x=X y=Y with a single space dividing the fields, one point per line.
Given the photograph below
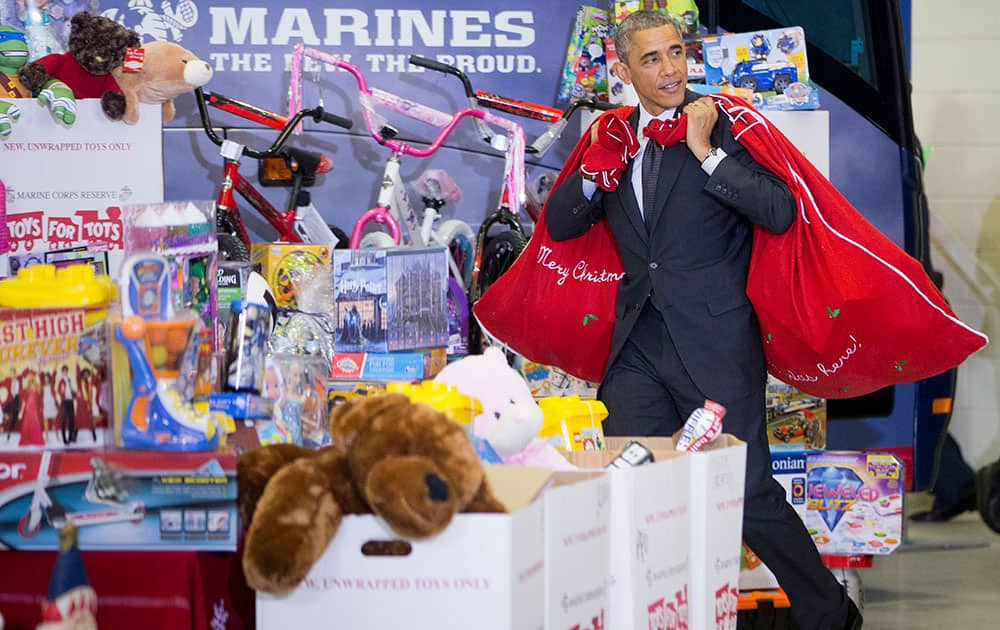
x=118 y=500
x=770 y=63
x=795 y=420
x=855 y=502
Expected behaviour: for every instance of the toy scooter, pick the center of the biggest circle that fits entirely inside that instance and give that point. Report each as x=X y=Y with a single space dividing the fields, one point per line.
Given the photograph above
x=102 y=488
x=158 y=416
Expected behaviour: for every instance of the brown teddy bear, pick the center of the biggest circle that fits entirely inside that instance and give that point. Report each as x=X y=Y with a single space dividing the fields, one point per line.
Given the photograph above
x=96 y=46
x=168 y=70
x=407 y=463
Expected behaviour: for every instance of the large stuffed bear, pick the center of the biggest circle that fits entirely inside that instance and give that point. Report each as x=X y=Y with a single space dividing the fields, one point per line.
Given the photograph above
x=404 y=462
x=97 y=46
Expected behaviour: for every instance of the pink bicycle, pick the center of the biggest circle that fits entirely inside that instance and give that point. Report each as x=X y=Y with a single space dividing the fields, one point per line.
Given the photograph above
x=392 y=209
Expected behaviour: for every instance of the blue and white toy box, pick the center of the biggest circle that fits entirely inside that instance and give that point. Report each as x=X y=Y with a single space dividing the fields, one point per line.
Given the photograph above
x=771 y=63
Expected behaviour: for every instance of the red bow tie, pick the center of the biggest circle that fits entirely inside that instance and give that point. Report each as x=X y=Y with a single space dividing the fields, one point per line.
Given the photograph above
x=667 y=132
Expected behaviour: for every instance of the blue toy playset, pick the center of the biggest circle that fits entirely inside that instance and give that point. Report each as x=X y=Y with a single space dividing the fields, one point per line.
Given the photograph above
x=771 y=63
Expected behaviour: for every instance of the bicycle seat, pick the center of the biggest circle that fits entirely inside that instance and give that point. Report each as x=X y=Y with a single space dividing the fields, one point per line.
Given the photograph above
x=435 y=184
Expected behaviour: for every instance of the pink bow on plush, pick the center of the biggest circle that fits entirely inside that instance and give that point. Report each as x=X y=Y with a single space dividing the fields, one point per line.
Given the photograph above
x=604 y=161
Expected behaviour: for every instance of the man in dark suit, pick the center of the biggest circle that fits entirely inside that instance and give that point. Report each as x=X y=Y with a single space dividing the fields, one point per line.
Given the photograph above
x=683 y=220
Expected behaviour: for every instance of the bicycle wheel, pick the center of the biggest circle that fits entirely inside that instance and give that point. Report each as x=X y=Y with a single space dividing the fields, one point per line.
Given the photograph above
x=499 y=254
x=343 y=238
x=232 y=248
x=377 y=239
x=458 y=237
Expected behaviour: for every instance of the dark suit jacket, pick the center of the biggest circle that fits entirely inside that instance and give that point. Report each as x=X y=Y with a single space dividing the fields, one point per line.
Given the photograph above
x=692 y=264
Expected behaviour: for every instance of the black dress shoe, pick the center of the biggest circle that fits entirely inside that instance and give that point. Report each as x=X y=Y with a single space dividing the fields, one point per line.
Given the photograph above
x=853 y=616
x=941 y=514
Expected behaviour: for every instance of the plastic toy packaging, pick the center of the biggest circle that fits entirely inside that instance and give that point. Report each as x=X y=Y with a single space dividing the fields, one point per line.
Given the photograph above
x=573 y=424
x=297 y=385
x=155 y=363
x=246 y=335
x=702 y=427
x=308 y=329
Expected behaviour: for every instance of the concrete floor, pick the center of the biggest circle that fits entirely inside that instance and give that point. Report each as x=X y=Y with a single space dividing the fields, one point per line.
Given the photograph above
x=948 y=577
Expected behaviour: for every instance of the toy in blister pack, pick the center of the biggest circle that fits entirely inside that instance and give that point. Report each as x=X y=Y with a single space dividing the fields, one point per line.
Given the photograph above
x=181 y=232
x=298 y=387
x=772 y=64
x=158 y=416
x=246 y=343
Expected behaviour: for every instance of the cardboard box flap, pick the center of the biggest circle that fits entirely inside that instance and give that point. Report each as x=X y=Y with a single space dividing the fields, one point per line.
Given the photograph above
x=517 y=486
x=662 y=447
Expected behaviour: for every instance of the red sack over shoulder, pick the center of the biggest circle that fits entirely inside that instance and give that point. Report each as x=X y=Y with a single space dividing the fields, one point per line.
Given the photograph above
x=843 y=310
x=556 y=304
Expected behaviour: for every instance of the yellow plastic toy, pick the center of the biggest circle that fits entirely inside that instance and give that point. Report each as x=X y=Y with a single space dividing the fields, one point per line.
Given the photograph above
x=45 y=286
x=577 y=422
x=443 y=397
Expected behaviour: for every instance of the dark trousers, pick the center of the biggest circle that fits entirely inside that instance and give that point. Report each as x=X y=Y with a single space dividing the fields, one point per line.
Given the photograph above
x=649 y=393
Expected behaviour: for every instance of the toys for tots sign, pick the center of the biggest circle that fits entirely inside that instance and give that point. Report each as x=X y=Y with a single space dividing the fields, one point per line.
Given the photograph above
x=68 y=184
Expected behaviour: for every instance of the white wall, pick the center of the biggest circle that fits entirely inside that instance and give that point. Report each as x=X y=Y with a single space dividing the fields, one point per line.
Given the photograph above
x=956 y=104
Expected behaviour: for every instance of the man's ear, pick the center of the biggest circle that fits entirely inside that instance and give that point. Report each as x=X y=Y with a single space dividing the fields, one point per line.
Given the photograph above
x=622 y=72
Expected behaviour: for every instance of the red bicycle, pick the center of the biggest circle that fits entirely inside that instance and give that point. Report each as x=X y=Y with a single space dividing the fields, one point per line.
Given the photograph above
x=278 y=166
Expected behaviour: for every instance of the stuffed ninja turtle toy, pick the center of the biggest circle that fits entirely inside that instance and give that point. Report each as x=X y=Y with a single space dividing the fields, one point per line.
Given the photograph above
x=13 y=56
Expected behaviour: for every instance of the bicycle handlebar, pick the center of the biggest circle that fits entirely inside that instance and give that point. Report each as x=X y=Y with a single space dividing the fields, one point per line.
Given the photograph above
x=525 y=109
x=487 y=134
x=262 y=116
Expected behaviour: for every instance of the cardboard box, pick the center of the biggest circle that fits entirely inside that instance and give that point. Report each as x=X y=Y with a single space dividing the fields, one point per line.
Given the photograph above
x=387 y=300
x=53 y=378
x=718 y=474
x=789 y=469
x=577 y=550
x=388 y=366
x=855 y=502
x=649 y=583
x=795 y=420
x=119 y=500
x=281 y=262
x=771 y=63
x=485 y=571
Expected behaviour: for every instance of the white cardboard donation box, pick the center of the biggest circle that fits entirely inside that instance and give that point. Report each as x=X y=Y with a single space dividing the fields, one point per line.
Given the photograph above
x=578 y=533
x=485 y=571
x=66 y=185
x=718 y=474
x=650 y=530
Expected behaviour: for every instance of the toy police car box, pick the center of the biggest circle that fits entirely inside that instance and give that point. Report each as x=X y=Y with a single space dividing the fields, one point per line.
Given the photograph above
x=771 y=63
x=119 y=500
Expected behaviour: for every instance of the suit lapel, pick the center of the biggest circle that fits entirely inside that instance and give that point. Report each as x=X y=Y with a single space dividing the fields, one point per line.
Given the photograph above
x=626 y=195
x=673 y=162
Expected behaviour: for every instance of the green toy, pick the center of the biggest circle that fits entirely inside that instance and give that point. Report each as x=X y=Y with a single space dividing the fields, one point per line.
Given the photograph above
x=56 y=95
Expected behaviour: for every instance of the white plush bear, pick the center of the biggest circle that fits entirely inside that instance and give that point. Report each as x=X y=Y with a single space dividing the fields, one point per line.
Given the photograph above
x=511 y=419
